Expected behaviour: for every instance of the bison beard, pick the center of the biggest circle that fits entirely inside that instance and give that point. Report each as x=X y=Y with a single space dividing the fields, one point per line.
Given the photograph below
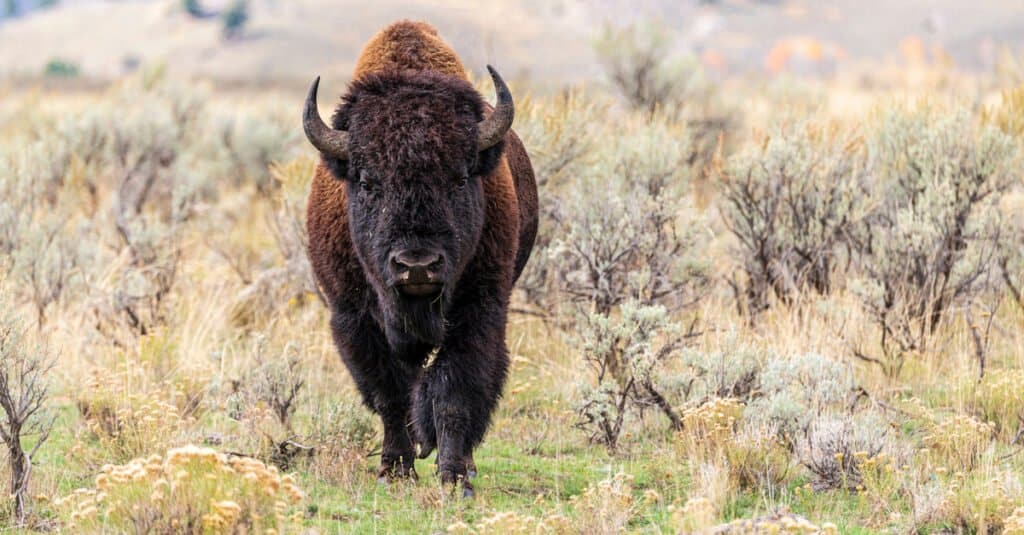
x=410 y=165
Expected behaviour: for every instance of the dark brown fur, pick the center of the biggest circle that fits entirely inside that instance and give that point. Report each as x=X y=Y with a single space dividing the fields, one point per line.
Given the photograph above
x=448 y=403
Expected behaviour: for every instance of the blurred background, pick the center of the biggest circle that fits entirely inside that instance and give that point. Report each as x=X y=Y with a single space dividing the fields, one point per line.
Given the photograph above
x=551 y=43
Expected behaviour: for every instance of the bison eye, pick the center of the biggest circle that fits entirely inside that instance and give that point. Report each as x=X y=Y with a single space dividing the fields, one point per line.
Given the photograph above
x=365 y=182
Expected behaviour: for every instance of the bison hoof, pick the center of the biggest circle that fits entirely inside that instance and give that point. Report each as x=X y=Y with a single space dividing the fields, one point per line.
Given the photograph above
x=459 y=482
x=390 y=472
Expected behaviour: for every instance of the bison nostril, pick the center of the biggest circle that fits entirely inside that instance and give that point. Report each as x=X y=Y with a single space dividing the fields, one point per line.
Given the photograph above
x=416 y=261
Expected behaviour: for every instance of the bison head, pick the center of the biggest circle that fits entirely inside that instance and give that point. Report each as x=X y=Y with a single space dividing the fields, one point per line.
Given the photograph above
x=413 y=148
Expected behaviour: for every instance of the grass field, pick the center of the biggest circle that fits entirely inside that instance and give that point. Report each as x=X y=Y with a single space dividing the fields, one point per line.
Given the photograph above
x=788 y=303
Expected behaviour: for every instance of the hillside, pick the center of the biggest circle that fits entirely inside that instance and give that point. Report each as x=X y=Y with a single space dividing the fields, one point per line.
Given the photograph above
x=546 y=41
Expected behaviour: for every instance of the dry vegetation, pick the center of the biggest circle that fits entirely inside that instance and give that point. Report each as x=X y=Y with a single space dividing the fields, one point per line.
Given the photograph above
x=735 y=320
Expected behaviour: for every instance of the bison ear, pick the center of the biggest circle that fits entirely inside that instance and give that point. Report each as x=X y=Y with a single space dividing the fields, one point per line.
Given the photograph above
x=487 y=160
x=340 y=120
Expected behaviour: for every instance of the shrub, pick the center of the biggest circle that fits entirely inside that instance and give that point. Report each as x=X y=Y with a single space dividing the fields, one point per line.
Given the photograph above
x=188 y=490
x=732 y=372
x=343 y=435
x=1011 y=250
x=255 y=144
x=60 y=68
x=563 y=135
x=235 y=18
x=792 y=202
x=832 y=448
x=626 y=353
x=626 y=233
x=640 y=64
x=797 y=390
x=626 y=245
x=40 y=245
x=24 y=400
x=757 y=458
x=932 y=242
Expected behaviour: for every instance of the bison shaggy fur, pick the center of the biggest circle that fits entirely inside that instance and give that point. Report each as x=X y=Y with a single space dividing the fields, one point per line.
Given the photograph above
x=414 y=189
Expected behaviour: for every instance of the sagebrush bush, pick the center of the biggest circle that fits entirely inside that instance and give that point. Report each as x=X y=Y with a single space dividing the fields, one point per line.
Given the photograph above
x=625 y=244
x=188 y=490
x=642 y=66
x=626 y=353
x=40 y=244
x=792 y=202
x=289 y=279
x=343 y=435
x=563 y=135
x=832 y=446
x=932 y=242
x=25 y=403
x=797 y=390
x=731 y=372
x=629 y=231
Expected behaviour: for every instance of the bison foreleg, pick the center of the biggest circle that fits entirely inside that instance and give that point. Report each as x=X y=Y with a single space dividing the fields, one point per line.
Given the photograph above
x=455 y=397
x=385 y=383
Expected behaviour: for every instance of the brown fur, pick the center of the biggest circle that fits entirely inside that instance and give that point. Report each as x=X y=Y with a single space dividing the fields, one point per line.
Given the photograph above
x=408 y=45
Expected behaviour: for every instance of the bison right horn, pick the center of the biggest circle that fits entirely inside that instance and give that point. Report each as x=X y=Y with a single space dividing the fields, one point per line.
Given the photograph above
x=330 y=142
x=493 y=128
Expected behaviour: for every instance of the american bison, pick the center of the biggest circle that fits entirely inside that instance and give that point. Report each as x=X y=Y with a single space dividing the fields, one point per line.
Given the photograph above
x=421 y=216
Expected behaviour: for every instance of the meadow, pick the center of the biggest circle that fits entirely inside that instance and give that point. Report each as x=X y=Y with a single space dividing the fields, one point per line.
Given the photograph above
x=755 y=306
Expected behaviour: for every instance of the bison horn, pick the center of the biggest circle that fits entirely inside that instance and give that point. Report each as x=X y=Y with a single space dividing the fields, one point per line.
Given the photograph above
x=330 y=142
x=493 y=128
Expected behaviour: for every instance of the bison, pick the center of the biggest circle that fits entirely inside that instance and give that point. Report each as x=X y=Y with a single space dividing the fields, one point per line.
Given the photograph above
x=421 y=216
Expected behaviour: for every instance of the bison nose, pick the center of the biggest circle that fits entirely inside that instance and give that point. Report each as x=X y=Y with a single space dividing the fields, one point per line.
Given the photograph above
x=416 y=266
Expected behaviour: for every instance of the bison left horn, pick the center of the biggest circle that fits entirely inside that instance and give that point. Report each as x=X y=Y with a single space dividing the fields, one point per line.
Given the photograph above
x=330 y=142
x=493 y=128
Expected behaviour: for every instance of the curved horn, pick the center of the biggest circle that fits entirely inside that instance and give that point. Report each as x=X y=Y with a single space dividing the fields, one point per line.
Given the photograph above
x=493 y=128
x=327 y=140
